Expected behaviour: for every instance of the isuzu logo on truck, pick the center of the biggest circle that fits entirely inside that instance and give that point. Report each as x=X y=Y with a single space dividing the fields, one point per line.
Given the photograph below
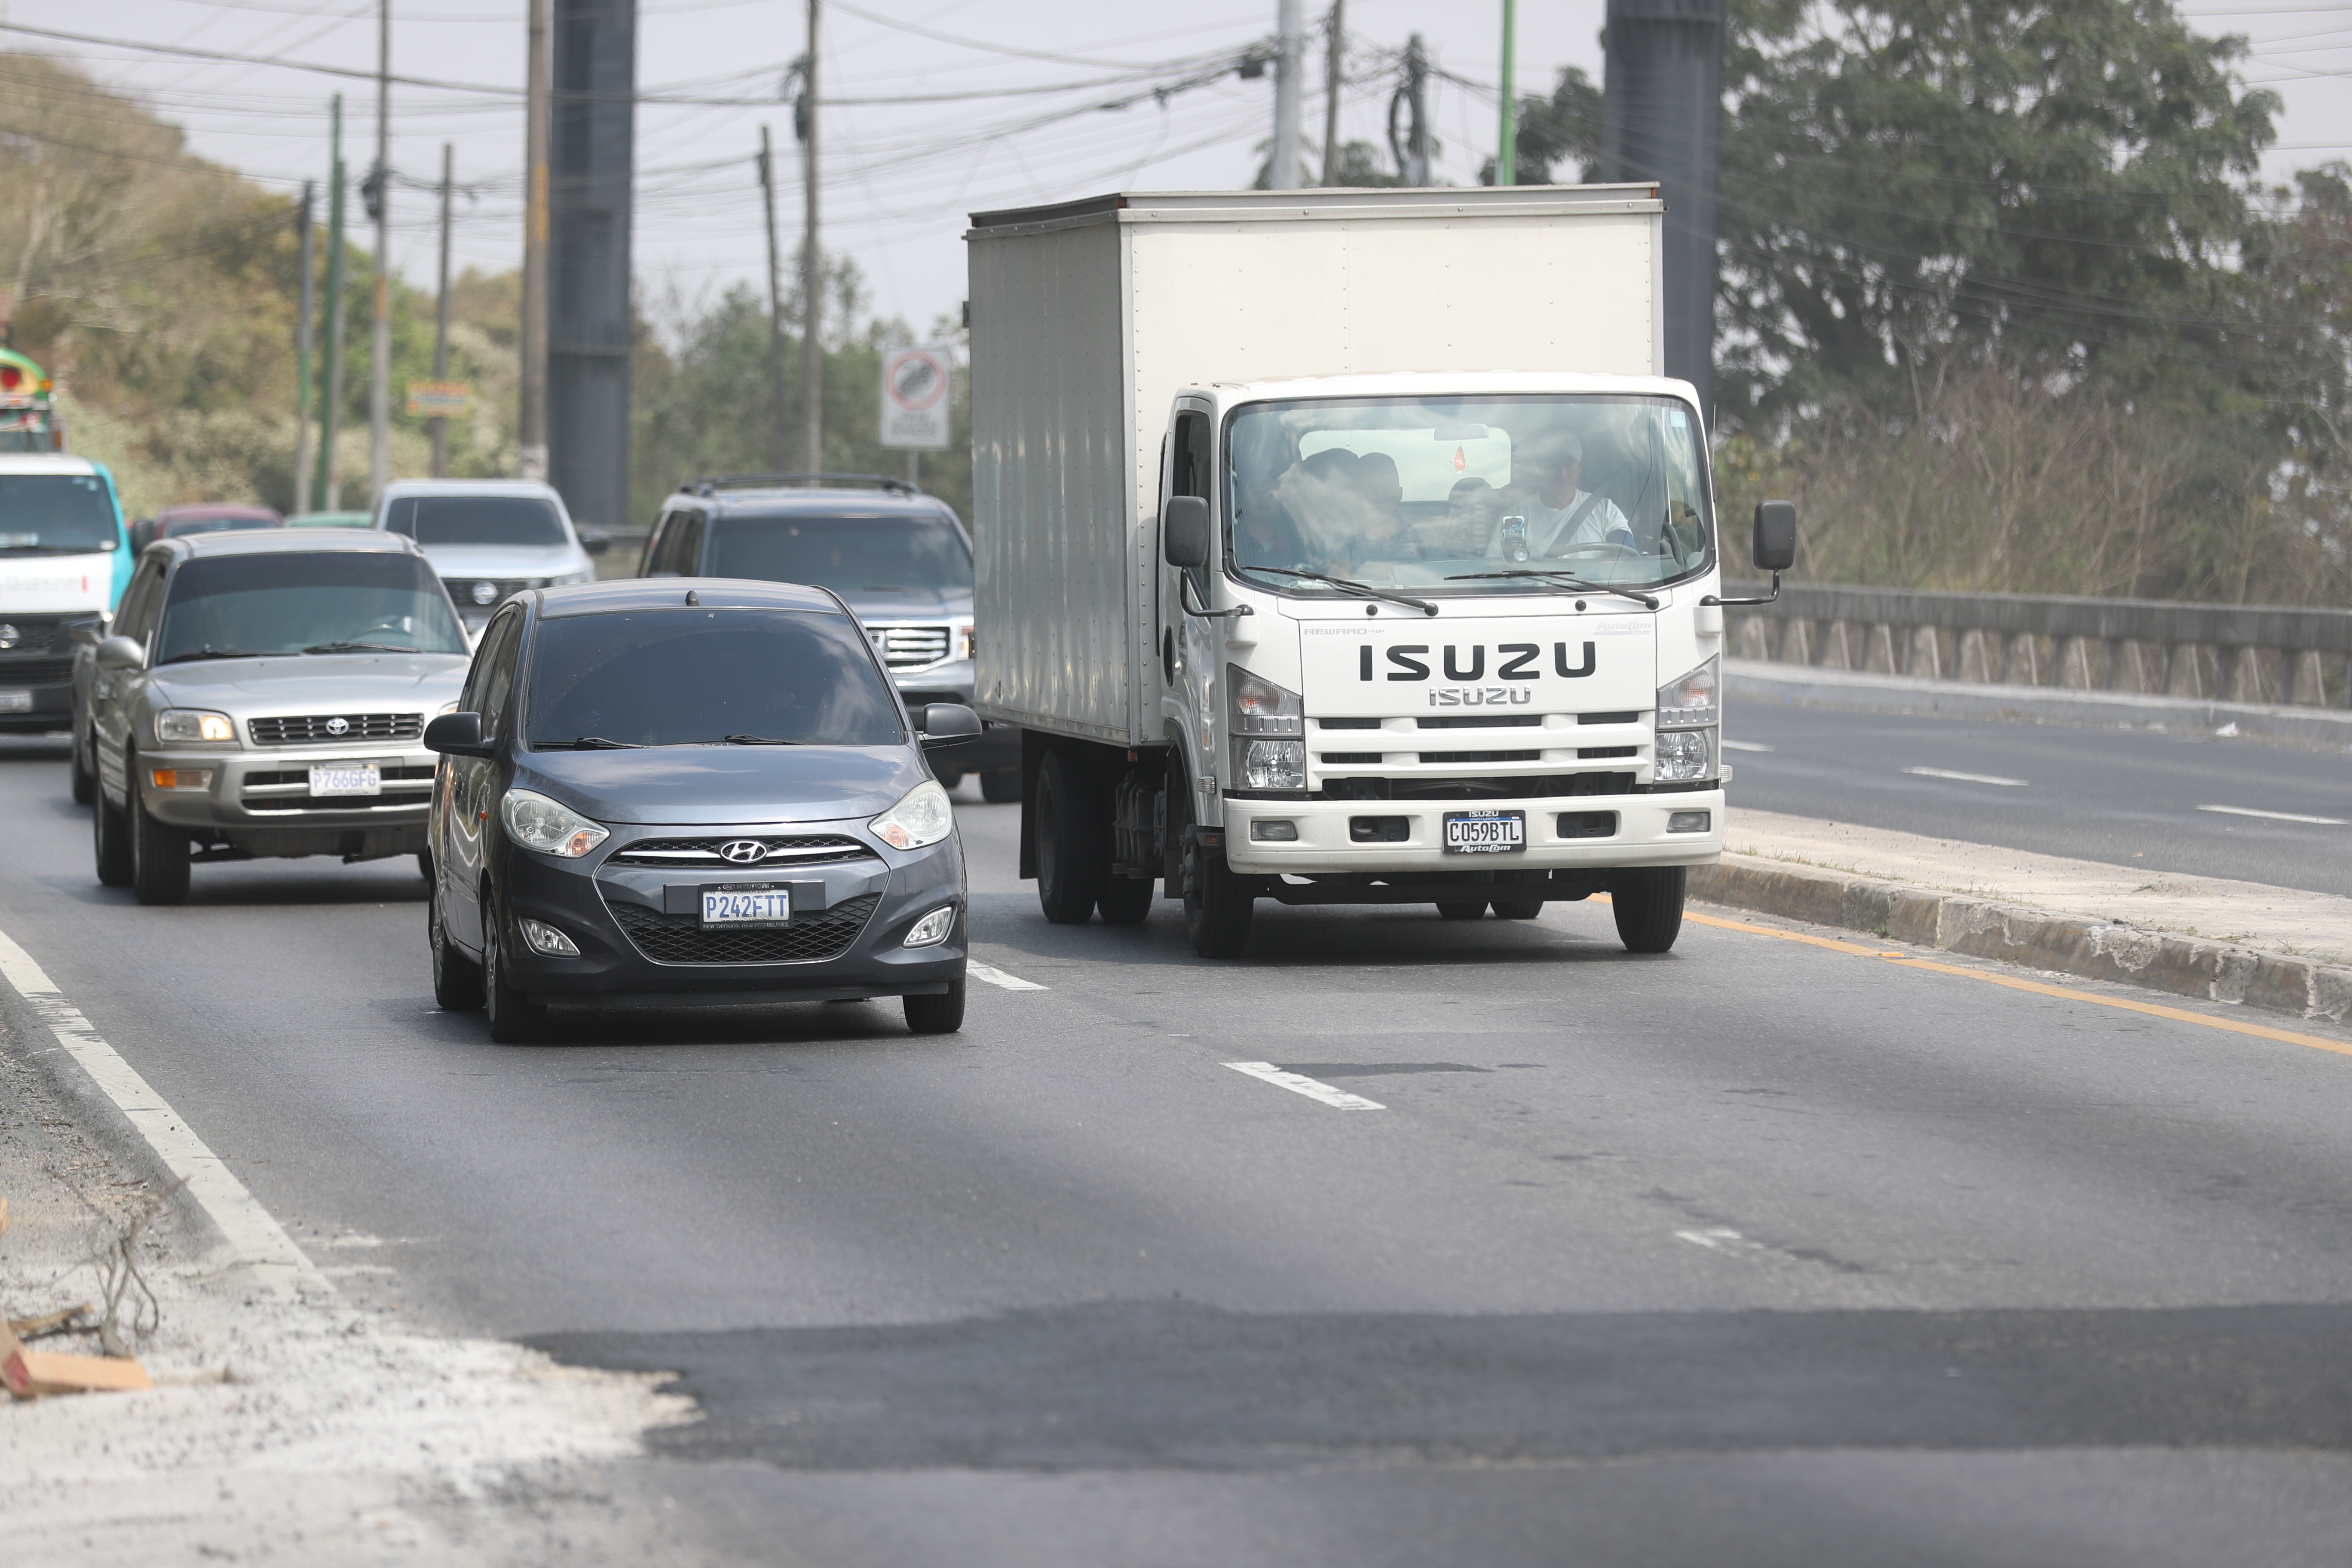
x=1514 y=661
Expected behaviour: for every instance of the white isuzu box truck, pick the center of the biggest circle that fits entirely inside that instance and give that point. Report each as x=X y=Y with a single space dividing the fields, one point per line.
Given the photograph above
x=1347 y=546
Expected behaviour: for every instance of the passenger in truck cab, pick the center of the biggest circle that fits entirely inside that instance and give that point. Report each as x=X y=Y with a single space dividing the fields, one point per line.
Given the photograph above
x=1265 y=534
x=1385 y=537
x=1473 y=510
x=1544 y=474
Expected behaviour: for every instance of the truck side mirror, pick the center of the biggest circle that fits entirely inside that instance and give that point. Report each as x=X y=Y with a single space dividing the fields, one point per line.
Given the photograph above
x=456 y=735
x=948 y=724
x=1775 y=543
x=1185 y=531
x=119 y=653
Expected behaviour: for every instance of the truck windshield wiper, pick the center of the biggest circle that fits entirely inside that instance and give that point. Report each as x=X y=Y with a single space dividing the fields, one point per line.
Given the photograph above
x=758 y=741
x=213 y=653
x=357 y=648
x=1350 y=585
x=588 y=743
x=1643 y=600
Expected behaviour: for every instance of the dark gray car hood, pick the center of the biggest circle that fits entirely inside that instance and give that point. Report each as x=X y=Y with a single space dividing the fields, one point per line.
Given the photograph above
x=725 y=786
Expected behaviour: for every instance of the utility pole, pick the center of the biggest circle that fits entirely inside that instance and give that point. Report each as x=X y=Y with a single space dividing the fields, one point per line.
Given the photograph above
x=1335 y=48
x=811 y=268
x=530 y=411
x=379 y=363
x=330 y=379
x=779 y=422
x=309 y=267
x=1412 y=153
x=1282 y=174
x=441 y=317
x=1507 y=144
x=591 y=153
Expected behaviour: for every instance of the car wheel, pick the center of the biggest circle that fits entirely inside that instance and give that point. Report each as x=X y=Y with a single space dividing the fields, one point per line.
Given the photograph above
x=1517 y=909
x=456 y=979
x=936 y=1014
x=1000 y=786
x=85 y=784
x=515 y=1019
x=1648 y=903
x=425 y=864
x=1069 y=843
x=1218 y=905
x=159 y=854
x=110 y=845
x=1462 y=908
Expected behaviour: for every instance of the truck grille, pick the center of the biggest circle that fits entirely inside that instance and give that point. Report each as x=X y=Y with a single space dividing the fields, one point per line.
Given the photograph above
x=909 y=647
x=313 y=729
x=813 y=849
x=682 y=939
x=1530 y=786
x=1458 y=758
x=35 y=671
x=38 y=634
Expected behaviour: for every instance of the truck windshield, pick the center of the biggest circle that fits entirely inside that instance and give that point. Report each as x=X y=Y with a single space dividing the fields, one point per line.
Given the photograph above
x=851 y=555
x=307 y=602
x=1430 y=497
x=475 y=519
x=55 y=514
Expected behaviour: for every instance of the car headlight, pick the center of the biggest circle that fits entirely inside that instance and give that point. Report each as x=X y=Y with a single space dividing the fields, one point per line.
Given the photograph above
x=964 y=641
x=1691 y=702
x=569 y=578
x=549 y=826
x=183 y=726
x=922 y=816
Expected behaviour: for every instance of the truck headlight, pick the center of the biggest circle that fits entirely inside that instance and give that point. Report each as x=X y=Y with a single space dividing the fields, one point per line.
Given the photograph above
x=185 y=726
x=1262 y=716
x=1691 y=702
x=549 y=826
x=922 y=816
x=1685 y=755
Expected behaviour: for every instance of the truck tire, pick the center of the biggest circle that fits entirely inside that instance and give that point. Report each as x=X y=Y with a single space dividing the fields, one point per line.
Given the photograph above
x=1126 y=900
x=1648 y=903
x=85 y=785
x=1218 y=905
x=1460 y=908
x=1517 y=909
x=1000 y=786
x=515 y=1019
x=108 y=843
x=1071 y=836
x=949 y=777
x=159 y=854
x=936 y=1014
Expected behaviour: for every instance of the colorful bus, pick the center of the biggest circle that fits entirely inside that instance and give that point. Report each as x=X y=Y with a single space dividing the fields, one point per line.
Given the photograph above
x=28 y=412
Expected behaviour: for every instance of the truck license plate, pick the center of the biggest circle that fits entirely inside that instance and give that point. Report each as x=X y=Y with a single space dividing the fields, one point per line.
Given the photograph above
x=747 y=906
x=1485 y=832
x=15 y=703
x=346 y=778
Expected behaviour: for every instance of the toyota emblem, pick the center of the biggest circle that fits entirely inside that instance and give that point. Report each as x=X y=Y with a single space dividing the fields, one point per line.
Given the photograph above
x=339 y=726
x=743 y=852
x=10 y=636
x=486 y=593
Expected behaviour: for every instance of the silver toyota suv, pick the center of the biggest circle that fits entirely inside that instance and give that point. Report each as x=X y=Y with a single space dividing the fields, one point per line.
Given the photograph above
x=491 y=538
x=266 y=694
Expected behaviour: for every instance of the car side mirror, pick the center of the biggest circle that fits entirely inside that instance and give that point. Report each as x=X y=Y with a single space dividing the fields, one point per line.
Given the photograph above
x=1185 y=531
x=1775 y=543
x=948 y=724
x=121 y=653
x=457 y=735
x=595 y=544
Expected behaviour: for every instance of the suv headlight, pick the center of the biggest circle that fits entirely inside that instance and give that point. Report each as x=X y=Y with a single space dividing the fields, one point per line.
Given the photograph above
x=964 y=642
x=549 y=826
x=195 y=726
x=922 y=816
x=569 y=578
x=1689 y=719
x=1269 y=729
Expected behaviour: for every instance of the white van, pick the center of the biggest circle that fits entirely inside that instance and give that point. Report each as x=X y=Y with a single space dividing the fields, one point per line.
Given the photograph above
x=64 y=560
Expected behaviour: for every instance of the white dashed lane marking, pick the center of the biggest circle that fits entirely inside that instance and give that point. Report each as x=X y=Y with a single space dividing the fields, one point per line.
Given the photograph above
x=1313 y=1089
x=2275 y=815
x=1967 y=778
x=995 y=976
x=1745 y=746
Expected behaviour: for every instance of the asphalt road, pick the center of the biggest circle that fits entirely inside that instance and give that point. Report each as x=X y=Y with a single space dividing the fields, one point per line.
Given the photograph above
x=1761 y=1252
x=2201 y=804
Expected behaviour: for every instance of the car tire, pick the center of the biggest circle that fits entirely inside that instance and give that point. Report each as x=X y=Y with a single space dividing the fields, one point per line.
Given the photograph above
x=425 y=864
x=159 y=854
x=1000 y=786
x=1070 y=846
x=1126 y=900
x=456 y=979
x=110 y=843
x=949 y=777
x=1219 y=905
x=1648 y=903
x=936 y=1014
x=85 y=783
x=1517 y=909
x=1462 y=908
x=514 y=1018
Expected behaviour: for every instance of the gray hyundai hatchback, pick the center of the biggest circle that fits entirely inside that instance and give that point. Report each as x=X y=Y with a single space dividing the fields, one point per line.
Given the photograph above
x=690 y=790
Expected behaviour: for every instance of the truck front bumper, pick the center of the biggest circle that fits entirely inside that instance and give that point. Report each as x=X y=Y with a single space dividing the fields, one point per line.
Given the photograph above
x=1563 y=832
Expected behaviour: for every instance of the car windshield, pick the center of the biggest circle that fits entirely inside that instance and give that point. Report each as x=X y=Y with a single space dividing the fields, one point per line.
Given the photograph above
x=51 y=514
x=1430 y=497
x=298 y=601
x=475 y=519
x=851 y=554
x=691 y=677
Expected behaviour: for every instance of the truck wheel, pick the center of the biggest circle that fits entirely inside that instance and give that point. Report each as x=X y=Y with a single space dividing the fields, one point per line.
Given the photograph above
x=159 y=855
x=515 y=1020
x=1218 y=905
x=949 y=777
x=1000 y=786
x=1648 y=903
x=1126 y=900
x=84 y=784
x=1462 y=910
x=1517 y=909
x=936 y=1014
x=457 y=980
x=1070 y=834
x=109 y=846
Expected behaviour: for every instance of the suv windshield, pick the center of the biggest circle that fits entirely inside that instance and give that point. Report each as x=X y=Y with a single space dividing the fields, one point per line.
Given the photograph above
x=51 y=514
x=475 y=519
x=872 y=553
x=686 y=677
x=1428 y=497
x=299 y=601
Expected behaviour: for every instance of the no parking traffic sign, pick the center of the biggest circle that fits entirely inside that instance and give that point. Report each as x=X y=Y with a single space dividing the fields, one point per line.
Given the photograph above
x=915 y=399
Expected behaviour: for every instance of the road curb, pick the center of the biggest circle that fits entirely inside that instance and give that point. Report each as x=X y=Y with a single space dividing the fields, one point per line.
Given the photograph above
x=2070 y=944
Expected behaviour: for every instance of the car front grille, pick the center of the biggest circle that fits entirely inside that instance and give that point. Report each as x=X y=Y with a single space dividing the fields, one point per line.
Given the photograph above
x=35 y=671
x=38 y=634
x=703 y=854
x=909 y=647
x=313 y=729
x=462 y=590
x=683 y=939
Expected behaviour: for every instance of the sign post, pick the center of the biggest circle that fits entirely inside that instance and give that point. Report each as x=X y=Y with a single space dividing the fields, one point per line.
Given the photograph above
x=915 y=403
x=441 y=399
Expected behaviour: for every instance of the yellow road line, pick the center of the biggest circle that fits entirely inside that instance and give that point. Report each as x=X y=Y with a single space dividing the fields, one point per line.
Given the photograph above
x=2040 y=988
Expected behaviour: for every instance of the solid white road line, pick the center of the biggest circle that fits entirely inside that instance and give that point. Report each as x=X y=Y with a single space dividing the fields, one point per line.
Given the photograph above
x=995 y=976
x=255 y=1239
x=1312 y=1088
x=2275 y=816
x=1745 y=746
x=1967 y=778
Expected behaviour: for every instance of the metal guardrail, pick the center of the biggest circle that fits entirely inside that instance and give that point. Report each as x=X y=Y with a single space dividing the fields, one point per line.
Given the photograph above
x=2240 y=653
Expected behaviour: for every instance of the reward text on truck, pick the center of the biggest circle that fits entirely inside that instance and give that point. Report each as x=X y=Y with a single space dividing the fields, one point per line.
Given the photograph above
x=1348 y=547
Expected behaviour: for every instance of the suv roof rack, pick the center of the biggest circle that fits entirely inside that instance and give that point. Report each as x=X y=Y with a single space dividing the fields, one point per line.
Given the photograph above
x=710 y=483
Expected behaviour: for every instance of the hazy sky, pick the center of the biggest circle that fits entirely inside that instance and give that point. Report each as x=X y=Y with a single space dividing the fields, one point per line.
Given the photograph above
x=898 y=177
